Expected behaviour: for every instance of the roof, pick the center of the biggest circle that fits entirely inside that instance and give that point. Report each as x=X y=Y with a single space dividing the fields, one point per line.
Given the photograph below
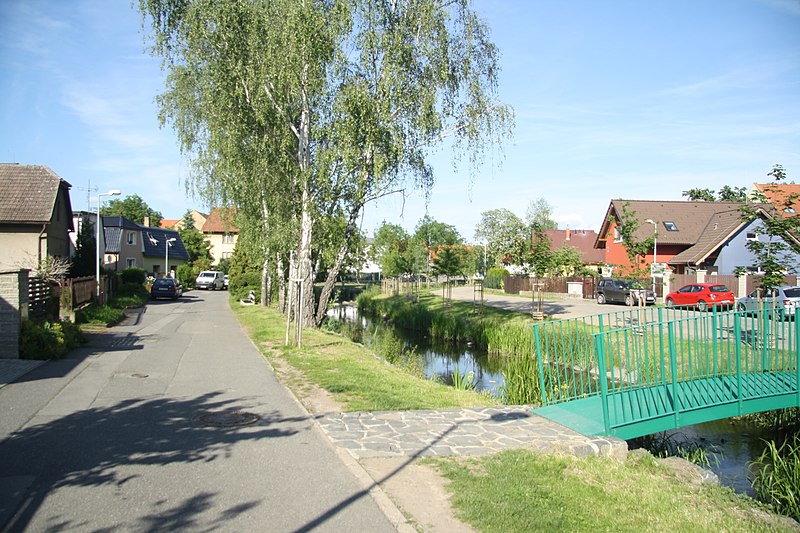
x=113 y=238
x=691 y=219
x=119 y=222
x=784 y=196
x=220 y=220
x=581 y=239
x=155 y=239
x=28 y=193
x=168 y=223
x=719 y=229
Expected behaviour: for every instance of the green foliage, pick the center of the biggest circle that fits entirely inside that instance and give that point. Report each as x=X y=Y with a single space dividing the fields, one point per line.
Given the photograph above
x=628 y=227
x=195 y=243
x=133 y=275
x=539 y=216
x=521 y=381
x=776 y=478
x=432 y=233
x=494 y=278
x=394 y=250
x=134 y=208
x=48 y=340
x=463 y=381
x=131 y=294
x=240 y=285
x=450 y=261
x=101 y=315
x=85 y=261
x=505 y=235
x=186 y=275
x=726 y=194
x=670 y=445
x=541 y=254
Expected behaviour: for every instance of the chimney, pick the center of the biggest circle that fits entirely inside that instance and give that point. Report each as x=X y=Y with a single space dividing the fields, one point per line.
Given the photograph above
x=146 y=221
x=567 y=237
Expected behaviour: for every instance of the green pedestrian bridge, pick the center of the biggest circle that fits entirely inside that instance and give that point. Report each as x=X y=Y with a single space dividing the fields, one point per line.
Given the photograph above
x=644 y=370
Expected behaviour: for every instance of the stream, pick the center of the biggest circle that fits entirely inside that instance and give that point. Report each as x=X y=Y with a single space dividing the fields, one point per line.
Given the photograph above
x=730 y=446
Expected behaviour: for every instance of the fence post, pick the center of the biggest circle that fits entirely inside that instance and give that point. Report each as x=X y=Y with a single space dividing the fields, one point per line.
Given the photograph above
x=539 y=361
x=661 y=344
x=797 y=352
x=737 y=331
x=673 y=366
x=600 y=349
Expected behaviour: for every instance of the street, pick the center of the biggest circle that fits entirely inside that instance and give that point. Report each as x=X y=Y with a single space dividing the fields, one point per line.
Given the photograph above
x=170 y=421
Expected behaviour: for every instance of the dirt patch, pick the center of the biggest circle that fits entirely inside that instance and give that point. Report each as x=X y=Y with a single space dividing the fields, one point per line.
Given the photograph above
x=315 y=399
x=418 y=491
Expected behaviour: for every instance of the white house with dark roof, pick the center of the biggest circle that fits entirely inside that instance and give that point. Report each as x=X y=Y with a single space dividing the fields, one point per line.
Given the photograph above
x=35 y=215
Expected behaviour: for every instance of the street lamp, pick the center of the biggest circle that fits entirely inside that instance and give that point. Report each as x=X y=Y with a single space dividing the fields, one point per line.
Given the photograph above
x=98 y=224
x=655 y=251
x=167 y=244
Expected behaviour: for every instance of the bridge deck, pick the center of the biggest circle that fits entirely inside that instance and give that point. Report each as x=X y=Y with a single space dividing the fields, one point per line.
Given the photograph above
x=641 y=411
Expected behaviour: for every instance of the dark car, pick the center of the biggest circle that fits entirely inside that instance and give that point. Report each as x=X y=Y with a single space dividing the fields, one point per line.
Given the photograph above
x=166 y=288
x=702 y=296
x=628 y=292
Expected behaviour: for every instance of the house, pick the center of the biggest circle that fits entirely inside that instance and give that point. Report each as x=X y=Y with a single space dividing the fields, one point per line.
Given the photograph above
x=176 y=223
x=582 y=240
x=220 y=232
x=134 y=245
x=35 y=216
x=784 y=197
x=690 y=236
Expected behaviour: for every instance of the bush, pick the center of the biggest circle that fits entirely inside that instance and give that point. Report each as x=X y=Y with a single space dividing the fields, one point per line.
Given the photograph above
x=48 y=340
x=186 y=275
x=133 y=275
x=494 y=278
x=103 y=314
x=242 y=284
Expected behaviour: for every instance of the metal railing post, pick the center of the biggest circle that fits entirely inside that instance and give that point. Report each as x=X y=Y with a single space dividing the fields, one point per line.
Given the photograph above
x=600 y=350
x=661 y=344
x=737 y=331
x=540 y=361
x=673 y=366
x=797 y=351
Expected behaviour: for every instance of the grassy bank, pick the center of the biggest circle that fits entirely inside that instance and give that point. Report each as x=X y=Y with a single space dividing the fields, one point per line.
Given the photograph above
x=355 y=377
x=524 y=491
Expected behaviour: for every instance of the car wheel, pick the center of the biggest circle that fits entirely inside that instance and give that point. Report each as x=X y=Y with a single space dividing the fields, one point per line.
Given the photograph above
x=741 y=307
x=628 y=301
x=601 y=299
x=702 y=306
x=670 y=302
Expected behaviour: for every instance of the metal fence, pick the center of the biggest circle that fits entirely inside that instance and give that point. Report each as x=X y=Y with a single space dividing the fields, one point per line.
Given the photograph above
x=645 y=347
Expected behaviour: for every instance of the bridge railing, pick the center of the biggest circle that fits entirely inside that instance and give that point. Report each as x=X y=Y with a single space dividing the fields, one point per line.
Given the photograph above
x=645 y=347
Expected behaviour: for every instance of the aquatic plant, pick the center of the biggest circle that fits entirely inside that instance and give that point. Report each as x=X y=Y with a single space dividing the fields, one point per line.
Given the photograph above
x=671 y=445
x=463 y=381
x=776 y=476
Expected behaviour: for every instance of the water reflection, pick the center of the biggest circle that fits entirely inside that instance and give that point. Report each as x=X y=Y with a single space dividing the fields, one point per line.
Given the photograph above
x=439 y=359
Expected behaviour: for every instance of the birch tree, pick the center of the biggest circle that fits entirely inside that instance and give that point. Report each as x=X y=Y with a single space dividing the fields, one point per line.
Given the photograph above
x=322 y=106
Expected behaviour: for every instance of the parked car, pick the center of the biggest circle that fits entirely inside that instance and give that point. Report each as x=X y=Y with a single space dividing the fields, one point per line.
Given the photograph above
x=166 y=288
x=629 y=292
x=785 y=300
x=209 y=279
x=701 y=295
x=225 y=282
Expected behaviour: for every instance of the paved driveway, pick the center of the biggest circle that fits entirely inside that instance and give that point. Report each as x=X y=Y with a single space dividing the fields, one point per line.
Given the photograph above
x=136 y=432
x=565 y=308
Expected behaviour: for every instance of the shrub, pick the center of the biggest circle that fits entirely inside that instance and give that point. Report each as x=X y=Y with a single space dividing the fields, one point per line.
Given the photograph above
x=186 y=275
x=104 y=314
x=48 y=340
x=494 y=278
x=133 y=275
x=242 y=284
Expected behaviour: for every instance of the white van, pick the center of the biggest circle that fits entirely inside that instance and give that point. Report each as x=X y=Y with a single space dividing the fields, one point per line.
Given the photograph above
x=209 y=279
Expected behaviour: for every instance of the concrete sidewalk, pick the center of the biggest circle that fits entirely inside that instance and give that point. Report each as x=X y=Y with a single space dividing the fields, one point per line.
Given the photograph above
x=172 y=422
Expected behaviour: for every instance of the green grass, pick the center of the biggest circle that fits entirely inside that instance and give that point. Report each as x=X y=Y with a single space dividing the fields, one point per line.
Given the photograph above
x=524 y=491
x=777 y=476
x=355 y=377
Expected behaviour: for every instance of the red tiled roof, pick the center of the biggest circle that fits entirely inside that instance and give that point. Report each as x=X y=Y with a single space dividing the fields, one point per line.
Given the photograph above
x=220 y=220
x=581 y=239
x=785 y=197
x=168 y=223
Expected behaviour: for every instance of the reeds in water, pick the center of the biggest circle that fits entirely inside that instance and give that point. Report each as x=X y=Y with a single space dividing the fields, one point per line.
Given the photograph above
x=776 y=476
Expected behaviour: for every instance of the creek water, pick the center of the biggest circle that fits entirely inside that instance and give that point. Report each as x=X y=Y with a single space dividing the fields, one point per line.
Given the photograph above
x=731 y=445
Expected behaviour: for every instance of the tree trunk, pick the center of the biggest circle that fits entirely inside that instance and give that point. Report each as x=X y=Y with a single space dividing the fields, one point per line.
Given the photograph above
x=281 y=283
x=333 y=272
x=265 y=283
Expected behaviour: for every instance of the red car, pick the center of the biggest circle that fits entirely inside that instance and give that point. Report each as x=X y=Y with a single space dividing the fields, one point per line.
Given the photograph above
x=701 y=295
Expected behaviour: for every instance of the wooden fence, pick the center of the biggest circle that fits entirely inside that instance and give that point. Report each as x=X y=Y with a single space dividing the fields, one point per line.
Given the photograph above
x=557 y=285
x=42 y=299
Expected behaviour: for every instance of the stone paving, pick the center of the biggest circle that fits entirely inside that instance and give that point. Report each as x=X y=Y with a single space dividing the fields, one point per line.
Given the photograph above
x=458 y=432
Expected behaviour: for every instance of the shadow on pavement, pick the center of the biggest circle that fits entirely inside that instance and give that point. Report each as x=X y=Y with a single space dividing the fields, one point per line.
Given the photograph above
x=86 y=449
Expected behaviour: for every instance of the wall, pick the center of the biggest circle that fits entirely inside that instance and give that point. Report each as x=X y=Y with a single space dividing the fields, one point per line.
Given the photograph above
x=19 y=246
x=13 y=308
x=219 y=249
x=735 y=253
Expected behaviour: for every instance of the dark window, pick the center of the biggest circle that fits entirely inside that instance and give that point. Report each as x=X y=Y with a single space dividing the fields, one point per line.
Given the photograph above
x=792 y=293
x=719 y=288
x=671 y=226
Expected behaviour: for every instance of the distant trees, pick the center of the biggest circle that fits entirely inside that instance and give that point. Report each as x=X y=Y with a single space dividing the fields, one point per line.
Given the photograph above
x=134 y=208
x=540 y=215
x=505 y=235
x=725 y=194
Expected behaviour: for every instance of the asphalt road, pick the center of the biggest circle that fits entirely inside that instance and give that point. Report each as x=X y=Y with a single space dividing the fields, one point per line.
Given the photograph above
x=134 y=433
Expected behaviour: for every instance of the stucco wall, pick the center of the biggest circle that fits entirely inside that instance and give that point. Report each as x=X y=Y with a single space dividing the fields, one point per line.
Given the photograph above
x=219 y=249
x=735 y=253
x=18 y=246
x=13 y=307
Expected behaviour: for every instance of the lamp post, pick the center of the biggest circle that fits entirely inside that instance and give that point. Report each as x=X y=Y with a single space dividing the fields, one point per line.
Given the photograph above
x=167 y=244
x=655 y=251
x=98 y=224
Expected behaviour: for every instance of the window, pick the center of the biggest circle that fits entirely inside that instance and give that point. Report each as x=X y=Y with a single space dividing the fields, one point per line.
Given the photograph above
x=617 y=236
x=130 y=262
x=131 y=237
x=671 y=226
x=789 y=210
x=751 y=236
x=227 y=255
x=228 y=238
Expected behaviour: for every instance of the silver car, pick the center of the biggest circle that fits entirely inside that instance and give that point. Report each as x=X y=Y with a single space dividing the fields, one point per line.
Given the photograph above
x=785 y=300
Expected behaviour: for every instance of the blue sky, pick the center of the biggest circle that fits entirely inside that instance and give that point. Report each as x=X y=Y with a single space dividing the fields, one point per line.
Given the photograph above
x=613 y=99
